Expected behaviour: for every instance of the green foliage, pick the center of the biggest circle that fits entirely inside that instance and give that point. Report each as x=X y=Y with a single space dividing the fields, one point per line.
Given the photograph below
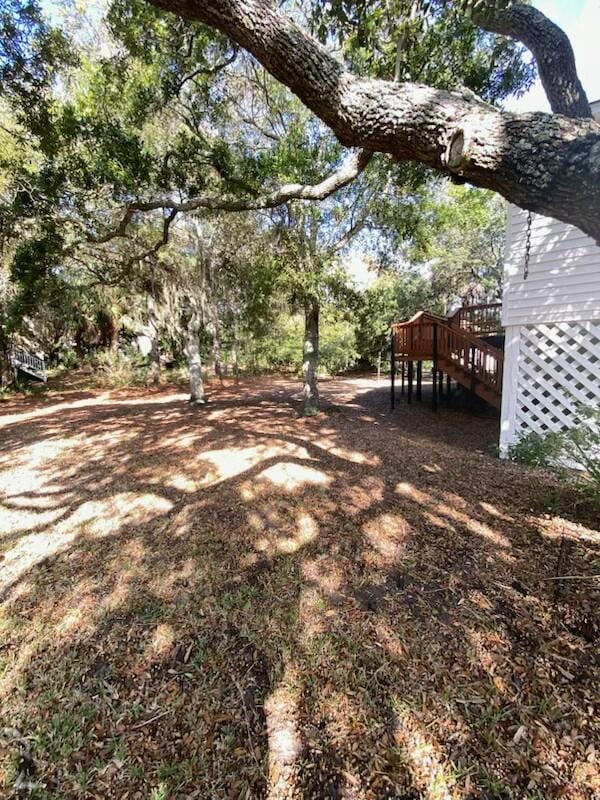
x=581 y=443
x=462 y=242
x=393 y=296
x=119 y=370
x=577 y=446
x=536 y=449
x=439 y=45
x=280 y=348
x=338 y=351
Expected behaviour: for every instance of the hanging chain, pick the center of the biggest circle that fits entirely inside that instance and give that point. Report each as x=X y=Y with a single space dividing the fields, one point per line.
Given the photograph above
x=527 y=247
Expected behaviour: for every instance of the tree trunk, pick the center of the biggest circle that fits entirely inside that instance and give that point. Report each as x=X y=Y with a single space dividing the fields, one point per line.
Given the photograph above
x=310 y=390
x=216 y=348
x=5 y=369
x=154 y=342
x=194 y=360
x=234 y=353
x=379 y=364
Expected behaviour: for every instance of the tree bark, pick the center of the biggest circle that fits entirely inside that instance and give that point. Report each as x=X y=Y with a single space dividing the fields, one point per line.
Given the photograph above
x=194 y=360
x=234 y=348
x=551 y=49
x=310 y=389
x=154 y=342
x=547 y=163
x=216 y=348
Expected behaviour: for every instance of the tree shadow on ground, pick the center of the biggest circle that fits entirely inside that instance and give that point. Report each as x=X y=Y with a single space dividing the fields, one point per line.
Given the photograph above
x=230 y=601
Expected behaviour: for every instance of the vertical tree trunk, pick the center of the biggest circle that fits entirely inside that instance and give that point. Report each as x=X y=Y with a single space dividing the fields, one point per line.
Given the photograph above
x=233 y=312
x=234 y=354
x=216 y=348
x=194 y=360
x=5 y=370
x=154 y=343
x=310 y=390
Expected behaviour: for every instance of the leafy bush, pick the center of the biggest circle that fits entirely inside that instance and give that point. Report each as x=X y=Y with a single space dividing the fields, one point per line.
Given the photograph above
x=337 y=344
x=68 y=359
x=119 y=370
x=537 y=450
x=581 y=443
x=578 y=446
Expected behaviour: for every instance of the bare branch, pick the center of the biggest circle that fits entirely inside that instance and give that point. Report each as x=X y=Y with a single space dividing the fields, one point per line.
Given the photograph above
x=350 y=168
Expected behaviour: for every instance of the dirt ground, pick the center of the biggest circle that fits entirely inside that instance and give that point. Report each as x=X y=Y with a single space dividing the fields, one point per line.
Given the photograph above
x=231 y=601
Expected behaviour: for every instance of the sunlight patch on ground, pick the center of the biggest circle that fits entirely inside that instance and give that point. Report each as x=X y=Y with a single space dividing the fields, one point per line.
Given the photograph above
x=408 y=490
x=493 y=511
x=165 y=476
x=554 y=527
x=93 y=518
x=423 y=759
x=387 y=535
x=102 y=399
x=307 y=531
x=285 y=744
x=354 y=456
x=232 y=461
x=473 y=525
x=161 y=642
x=285 y=475
x=388 y=638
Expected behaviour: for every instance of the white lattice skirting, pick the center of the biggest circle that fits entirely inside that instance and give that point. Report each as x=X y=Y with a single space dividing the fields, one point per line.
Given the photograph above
x=549 y=369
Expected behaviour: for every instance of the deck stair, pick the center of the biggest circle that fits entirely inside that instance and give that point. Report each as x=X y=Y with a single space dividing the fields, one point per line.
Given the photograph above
x=28 y=364
x=456 y=346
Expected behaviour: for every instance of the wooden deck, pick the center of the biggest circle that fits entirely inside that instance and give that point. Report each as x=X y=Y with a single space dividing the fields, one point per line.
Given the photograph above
x=457 y=348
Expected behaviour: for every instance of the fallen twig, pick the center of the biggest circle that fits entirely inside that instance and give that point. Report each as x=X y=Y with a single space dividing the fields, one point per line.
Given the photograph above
x=148 y=721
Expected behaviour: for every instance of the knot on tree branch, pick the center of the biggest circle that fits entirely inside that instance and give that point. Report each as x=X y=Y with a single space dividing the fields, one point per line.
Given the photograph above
x=455 y=156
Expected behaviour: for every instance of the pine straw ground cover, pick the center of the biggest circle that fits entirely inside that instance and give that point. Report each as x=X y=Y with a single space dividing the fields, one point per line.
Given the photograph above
x=232 y=602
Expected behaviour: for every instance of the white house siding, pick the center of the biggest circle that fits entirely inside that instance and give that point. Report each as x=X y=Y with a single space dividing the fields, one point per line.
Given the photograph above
x=563 y=281
x=552 y=322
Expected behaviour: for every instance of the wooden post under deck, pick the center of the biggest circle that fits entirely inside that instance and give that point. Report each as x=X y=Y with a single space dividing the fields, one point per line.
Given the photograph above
x=410 y=381
x=403 y=377
x=448 y=389
x=419 y=380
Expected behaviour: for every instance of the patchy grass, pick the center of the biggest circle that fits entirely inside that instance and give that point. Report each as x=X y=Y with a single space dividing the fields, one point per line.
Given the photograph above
x=232 y=601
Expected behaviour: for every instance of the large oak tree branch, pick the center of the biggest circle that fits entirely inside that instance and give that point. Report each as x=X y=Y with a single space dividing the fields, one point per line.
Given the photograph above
x=546 y=163
x=550 y=47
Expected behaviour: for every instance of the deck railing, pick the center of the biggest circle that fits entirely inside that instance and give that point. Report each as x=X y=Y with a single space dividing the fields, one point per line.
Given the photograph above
x=460 y=353
x=23 y=359
x=482 y=320
x=483 y=362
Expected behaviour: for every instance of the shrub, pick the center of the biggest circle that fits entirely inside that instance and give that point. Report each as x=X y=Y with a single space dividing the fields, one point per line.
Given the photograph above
x=578 y=446
x=119 y=370
x=68 y=359
x=536 y=450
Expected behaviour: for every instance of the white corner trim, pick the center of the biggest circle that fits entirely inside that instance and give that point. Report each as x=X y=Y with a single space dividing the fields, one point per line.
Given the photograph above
x=508 y=434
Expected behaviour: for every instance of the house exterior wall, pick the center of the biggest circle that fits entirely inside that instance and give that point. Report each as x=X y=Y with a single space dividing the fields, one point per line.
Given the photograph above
x=552 y=325
x=563 y=281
